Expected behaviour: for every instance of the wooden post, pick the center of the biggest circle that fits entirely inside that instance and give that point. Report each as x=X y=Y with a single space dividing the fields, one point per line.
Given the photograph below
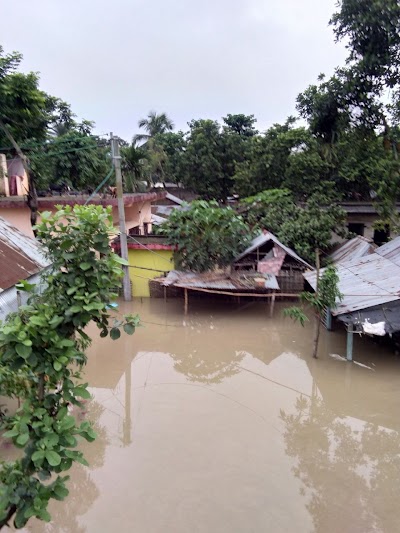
x=186 y=301
x=165 y=293
x=271 y=312
x=350 y=334
x=19 y=299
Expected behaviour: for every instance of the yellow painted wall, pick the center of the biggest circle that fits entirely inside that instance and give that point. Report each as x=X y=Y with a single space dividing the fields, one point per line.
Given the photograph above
x=157 y=259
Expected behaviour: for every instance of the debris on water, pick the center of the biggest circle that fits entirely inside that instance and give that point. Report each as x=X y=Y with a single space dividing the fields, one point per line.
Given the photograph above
x=364 y=366
x=337 y=357
x=112 y=305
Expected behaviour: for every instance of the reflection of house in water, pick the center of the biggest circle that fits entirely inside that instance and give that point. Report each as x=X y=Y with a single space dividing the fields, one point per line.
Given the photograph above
x=345 y=443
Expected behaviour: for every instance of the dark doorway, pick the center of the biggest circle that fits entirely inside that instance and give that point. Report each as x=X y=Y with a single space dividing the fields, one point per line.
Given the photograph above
x=381 y=236
x=357 y=228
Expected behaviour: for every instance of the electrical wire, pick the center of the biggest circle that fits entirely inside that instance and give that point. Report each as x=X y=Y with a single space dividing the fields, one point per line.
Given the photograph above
x=101 y=185
x=149 y=249
x=46 y=144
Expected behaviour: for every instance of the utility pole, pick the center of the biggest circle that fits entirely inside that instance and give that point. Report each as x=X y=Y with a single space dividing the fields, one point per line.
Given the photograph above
x=121 y=215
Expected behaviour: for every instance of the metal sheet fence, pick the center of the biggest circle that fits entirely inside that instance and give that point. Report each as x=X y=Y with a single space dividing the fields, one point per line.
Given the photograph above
x=9 y=298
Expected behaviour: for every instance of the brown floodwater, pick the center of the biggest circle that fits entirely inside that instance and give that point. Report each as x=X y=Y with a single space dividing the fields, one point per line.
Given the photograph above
x=221 y=422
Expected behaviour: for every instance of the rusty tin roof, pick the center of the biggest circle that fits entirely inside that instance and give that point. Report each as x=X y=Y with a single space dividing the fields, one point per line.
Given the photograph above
x=20 y=256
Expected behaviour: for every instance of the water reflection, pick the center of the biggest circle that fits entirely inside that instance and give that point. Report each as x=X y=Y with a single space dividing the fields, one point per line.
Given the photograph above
x=349 y=469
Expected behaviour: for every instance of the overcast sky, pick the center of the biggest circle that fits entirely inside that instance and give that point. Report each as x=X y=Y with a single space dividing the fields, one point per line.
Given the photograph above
x=114 y=61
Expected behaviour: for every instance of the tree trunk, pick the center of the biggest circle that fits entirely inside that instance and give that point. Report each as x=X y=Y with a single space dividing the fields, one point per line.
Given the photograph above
x=316 y=335
x=317 y=315
x=31 y=194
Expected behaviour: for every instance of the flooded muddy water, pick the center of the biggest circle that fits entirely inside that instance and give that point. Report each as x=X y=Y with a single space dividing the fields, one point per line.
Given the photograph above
x=221 y=422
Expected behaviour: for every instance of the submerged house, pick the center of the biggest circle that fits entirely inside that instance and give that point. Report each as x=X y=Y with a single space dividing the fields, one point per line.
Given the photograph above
x=370 y=287
x=266 y=269
x=21 y=258
x=267 y=255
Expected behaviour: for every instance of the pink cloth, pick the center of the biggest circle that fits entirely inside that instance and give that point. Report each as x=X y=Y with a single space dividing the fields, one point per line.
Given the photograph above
x=272 y=265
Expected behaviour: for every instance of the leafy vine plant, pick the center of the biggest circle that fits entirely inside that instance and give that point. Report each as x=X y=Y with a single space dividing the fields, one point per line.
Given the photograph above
x=42 y=354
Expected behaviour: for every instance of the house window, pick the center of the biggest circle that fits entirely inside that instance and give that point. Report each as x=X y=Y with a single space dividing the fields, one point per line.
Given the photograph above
x=381 y=235
x=357 y=228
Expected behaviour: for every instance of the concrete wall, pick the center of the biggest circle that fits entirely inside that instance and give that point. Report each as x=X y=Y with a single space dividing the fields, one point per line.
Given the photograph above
x=135 y=215
x=158 y=260
x=18 y=217
x=16 y=168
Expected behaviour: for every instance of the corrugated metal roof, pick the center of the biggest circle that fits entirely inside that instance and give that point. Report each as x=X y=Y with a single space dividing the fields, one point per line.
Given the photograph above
x=391 y=250
x=20 y=256
x=366 y=282
x=174 y=198
x=352 y=249
x=219 y=281
x=157 y=220
x=263 y=239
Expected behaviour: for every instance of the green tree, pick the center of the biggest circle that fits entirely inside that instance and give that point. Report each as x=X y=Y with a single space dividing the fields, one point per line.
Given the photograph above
x=285 y=156
x=46 y=341
x=133 y=165
x=242 y=125
x=204 y=165
x=154 y=124
x=268 y=209
x=326 y=296
x=206 y=235
x=174 y=146
x=311 y=224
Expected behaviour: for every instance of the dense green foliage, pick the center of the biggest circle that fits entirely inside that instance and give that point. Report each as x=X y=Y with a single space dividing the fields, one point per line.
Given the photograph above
x=59 y=149
x=42 y=353
x=205 y=235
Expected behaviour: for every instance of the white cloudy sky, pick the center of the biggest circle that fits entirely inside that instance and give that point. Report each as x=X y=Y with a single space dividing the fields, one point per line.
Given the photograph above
x=114 y=61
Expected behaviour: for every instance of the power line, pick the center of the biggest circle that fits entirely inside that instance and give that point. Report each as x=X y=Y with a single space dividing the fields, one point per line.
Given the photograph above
x=46 y=144
x=149 y=249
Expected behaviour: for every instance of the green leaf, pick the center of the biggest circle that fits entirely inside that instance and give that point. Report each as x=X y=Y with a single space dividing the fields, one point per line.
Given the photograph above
x=119 y=260
x=71 y=290
x=53 y=458
x=115 y=334
x=25 y=286
x=57 y=366
x=75 y=309
x=68 y=422
x=82 y=392
x=85 y=266
x=37 y=321
x=60 y=492
x=103 y=333
x=44 y=515
x=23 y=350
x=38 y=455
x=66 y=343
x=62 y=413
x=129 y=329
x=51 y=440
x=11 y=433
x=22 y=439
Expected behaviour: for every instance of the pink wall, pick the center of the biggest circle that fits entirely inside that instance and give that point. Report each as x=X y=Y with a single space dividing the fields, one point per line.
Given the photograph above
x=135 y=215
x=18 y=217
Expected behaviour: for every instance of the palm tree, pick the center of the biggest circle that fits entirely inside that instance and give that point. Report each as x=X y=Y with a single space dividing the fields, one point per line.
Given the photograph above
x=154 y=124
x=133 y=164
